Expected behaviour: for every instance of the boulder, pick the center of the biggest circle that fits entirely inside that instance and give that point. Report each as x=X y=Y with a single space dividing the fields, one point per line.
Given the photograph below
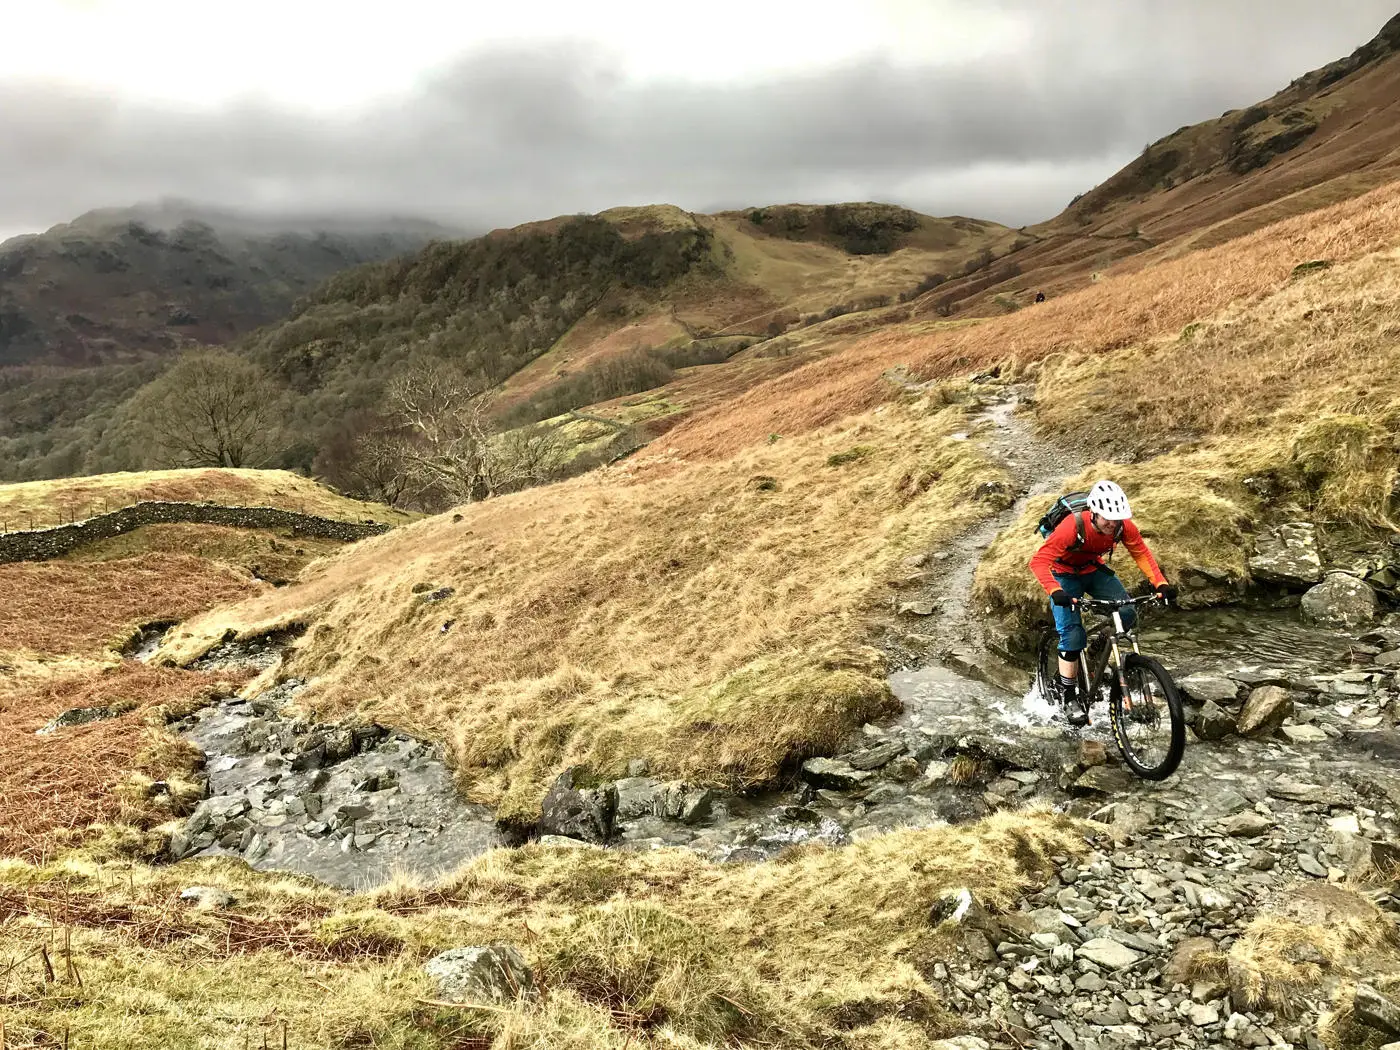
x=1304 y=734
x=1340 y=600
x=1213 y=722
x=1376 y=1010
x=636 y=797
x=1264 y=711
x=1287 y=555
x=1103 y=780
x=833 y=773
x=578 y=812
x=483 y=975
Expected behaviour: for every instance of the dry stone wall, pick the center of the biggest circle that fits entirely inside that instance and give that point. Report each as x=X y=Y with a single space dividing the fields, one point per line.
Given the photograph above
x=42 y=544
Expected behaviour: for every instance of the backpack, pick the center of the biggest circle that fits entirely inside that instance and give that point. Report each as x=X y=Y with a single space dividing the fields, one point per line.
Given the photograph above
x=1075 y=503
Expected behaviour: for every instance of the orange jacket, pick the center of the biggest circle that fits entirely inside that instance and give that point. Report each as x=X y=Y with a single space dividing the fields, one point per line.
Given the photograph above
x=1062 y=553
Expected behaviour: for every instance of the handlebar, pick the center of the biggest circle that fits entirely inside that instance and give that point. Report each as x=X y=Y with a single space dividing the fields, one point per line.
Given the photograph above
x=1103 y=605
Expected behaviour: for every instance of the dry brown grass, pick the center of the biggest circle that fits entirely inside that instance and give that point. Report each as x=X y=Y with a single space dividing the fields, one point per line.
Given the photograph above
x=68 y=608
x=1117 y=312
x=709 y=615
x=268 y=554
x=54 y=788
x=47 y=503
x=820 y=948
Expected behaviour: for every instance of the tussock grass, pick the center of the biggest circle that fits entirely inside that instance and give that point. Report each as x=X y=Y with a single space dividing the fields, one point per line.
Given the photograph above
x=710 y=617
x=823 y=947
x=52 y=502
x=1317 y=942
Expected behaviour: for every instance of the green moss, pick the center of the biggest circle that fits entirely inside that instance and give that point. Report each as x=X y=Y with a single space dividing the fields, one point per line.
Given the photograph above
x=850 y=455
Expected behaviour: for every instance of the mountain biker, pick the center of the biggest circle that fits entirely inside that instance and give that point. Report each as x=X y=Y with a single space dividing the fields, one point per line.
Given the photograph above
x=1070 y=564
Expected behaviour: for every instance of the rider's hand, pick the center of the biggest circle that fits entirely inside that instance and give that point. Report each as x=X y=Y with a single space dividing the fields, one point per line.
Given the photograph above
x=1166 y=592
x=1060 y=598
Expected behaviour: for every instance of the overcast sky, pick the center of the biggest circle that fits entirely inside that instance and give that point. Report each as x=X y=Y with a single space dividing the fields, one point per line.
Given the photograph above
x=492 y=113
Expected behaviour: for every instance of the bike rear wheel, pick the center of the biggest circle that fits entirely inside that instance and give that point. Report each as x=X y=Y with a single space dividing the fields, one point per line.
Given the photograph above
x=1148 y=721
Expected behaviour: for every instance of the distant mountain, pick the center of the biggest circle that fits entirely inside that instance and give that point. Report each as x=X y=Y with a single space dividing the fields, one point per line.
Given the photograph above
x=1332 y=134
x=122 y=284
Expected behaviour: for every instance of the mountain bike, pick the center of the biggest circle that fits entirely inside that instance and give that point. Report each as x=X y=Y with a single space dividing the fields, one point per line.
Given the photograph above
x=1144 y=704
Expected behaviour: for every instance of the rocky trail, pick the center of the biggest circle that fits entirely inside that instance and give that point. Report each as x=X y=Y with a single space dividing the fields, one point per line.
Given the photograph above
x=1290 y=786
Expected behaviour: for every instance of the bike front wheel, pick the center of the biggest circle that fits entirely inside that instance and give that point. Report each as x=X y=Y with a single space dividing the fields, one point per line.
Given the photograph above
x=1148 y=720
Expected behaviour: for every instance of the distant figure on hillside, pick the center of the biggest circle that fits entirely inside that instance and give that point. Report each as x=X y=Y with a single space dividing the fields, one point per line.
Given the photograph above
x=1070 y=564
x=1040 y=297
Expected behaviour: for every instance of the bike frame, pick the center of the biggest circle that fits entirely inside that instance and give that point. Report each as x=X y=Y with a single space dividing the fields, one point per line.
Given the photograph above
x=1111 y=653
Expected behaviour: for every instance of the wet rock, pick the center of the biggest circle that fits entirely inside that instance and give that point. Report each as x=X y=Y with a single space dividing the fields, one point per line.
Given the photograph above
x=1340 y=600
x=578 y=812
x=1287 y=555
x=834 y=774
x=1108 y=953
x=1103 y=780
x=903 y=769
x=1216 y=688
x=1005 y=753
x=1248 y=824
x=1092 y=753
x=697 y=806
x=1264 y=711
x=483 y=974
x=1376 y=1010
x=878 y=756
x=207 y=898
x=1213 y=722
x=77 y=716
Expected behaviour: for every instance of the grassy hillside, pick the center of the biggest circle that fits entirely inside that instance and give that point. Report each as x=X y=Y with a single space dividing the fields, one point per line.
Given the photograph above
x=704 y=606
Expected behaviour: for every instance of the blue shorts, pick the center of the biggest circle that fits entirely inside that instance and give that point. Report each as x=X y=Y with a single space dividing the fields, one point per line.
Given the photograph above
x=1102 y=583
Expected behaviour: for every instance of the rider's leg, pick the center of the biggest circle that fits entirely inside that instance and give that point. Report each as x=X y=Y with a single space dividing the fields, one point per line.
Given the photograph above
x=1072 y=639
x=1104 y=584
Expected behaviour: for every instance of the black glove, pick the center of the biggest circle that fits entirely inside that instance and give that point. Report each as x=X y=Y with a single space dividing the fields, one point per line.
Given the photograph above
x=1167 y=592
x=1060 y=598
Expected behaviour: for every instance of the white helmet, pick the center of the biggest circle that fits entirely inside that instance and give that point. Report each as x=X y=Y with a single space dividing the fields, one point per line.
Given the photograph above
x=1108 y=499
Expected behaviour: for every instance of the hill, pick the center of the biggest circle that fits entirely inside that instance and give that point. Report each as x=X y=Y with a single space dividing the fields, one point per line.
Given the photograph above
x=120 y=284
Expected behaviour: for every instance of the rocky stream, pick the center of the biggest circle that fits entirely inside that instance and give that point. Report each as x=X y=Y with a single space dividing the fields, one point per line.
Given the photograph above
x=1290 y=785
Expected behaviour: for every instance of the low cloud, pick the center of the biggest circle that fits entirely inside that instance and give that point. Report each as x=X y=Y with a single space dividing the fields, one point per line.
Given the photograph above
x=509 y=135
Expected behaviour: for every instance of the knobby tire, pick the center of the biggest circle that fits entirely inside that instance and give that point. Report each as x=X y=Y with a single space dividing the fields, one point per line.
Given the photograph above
x=1134 y=663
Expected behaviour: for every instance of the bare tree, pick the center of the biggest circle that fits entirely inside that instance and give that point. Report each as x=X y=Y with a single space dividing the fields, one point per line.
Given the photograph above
x=443 y=446
x=210 y=409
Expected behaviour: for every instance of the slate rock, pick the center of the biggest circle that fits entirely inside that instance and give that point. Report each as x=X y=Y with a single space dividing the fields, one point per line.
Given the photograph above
x=1248 y=824
x=1376 y=1010
x=1287 y=555
x=578 y=812
x=482 y=974
x=1108 y=953
x=876 y=757
x=1264 y=711
x=834 y=774
x=1213 y=722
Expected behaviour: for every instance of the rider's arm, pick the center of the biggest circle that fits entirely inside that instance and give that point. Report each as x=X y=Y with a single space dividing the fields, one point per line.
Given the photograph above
x=1055 y=545
x=1137 y=547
